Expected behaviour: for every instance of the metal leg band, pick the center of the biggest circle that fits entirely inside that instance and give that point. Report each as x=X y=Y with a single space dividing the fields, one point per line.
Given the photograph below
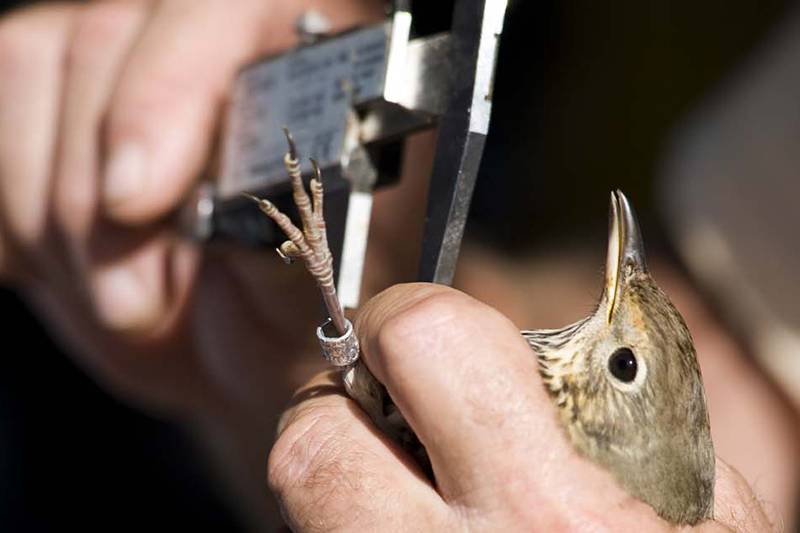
x=339 y=351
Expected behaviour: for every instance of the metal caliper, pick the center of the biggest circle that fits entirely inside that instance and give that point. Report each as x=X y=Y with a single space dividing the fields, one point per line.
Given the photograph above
x=350 y=100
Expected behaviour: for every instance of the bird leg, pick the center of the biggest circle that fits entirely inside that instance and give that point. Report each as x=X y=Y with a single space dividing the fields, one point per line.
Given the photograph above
x=310 y=244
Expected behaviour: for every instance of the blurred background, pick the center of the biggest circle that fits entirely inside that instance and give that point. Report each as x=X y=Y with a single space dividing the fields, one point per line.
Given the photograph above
x=589 y=97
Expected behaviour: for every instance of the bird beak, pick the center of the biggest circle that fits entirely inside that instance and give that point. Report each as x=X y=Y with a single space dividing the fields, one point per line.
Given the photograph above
x=625 y=247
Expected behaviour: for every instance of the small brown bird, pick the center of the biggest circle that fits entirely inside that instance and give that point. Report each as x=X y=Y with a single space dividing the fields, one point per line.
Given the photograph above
x=625 y=380
x=627 y=385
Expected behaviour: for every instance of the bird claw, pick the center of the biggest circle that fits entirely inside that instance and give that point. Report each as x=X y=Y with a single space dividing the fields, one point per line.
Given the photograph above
x=288 y=252
x=310 y=243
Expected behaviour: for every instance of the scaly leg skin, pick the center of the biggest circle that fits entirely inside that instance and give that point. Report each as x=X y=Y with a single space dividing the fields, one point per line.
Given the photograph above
x=311 y=245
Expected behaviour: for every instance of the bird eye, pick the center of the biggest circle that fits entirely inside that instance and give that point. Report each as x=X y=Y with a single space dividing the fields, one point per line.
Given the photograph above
x=623 y=365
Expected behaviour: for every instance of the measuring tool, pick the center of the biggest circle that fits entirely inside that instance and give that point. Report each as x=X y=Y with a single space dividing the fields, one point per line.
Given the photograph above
x=350 y=100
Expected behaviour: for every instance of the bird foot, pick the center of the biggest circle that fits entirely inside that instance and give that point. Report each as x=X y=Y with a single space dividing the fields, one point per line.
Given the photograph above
x=311 y=243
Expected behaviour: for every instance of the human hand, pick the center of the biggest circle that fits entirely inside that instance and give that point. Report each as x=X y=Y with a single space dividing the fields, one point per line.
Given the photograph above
x=469 y=387
x=108 y=111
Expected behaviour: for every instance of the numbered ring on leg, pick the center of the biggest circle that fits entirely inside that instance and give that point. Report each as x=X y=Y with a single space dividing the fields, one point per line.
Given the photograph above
x=339 y=351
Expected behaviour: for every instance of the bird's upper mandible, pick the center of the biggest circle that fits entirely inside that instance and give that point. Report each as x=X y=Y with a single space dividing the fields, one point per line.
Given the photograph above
x=627 y=385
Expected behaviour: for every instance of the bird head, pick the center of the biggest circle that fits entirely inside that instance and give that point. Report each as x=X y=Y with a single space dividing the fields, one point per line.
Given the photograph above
x=627 y=385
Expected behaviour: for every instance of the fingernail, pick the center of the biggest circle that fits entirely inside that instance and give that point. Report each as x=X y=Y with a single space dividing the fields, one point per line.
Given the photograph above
x=125 y=174
x=124 y=300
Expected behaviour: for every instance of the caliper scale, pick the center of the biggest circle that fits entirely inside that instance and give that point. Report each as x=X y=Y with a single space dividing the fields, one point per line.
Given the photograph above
x=349 y=101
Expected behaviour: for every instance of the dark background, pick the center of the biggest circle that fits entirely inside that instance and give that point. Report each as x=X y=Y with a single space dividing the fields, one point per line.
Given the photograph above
x=587 y=93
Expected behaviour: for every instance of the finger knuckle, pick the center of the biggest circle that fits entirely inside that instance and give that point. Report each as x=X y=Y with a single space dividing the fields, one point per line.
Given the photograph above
x=313 y=471
x=150 y=94
x=431 y=322
x=304 y=449
x=97 y=25
x=139 y=106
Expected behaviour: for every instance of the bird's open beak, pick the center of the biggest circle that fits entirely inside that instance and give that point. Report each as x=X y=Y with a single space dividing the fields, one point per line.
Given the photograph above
x=625 y=247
